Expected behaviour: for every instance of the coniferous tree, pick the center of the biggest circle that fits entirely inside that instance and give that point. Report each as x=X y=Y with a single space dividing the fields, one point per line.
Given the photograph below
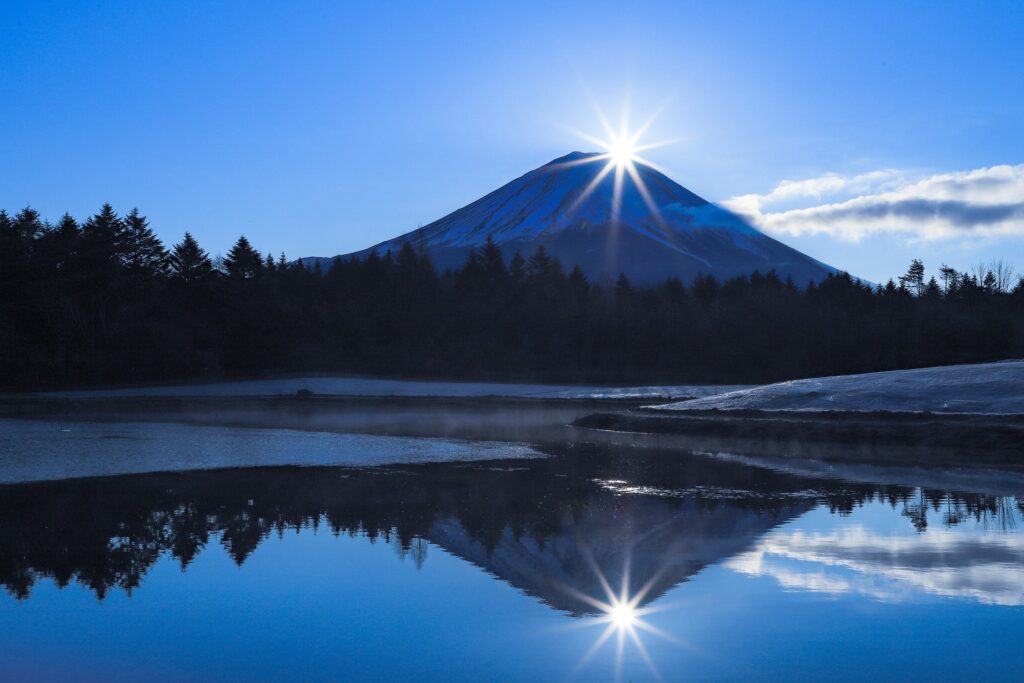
x=103 y=241
x=539 y=264
x=28 y=225
x=989 y=282
x=62 y=244
x=242 y=261
x=578 y=280
x=949 y=277
x=13 y=249
x=913 y=279
x=517 y=267
x=492 y=261
x=8 y=236
x=189 y=262
x=144 y=253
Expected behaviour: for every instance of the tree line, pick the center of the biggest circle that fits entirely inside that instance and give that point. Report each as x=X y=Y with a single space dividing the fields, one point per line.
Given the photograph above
x=103 y=301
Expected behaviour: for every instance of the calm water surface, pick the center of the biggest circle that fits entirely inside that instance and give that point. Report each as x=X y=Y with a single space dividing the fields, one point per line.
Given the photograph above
x=600 y=562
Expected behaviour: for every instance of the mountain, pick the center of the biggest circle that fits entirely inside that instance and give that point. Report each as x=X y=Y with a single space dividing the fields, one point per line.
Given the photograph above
x=652 y=542
x=550 y=206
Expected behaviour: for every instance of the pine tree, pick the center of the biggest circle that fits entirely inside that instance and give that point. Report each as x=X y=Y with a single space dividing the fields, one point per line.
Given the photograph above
x=705 y=288
x=492 y=261
x=64 y=238
x=189 y=262
x=408 y=259
x=578 y=280
x=18 y=242
x=67 y=228
x=102 y=251
x=144 y=253
x=242 y=261
x=13 y=251
x=517 y=267
x=989 y=282
x=539 y=264
x=949 y=278
x=913 y=279
x=28 y=225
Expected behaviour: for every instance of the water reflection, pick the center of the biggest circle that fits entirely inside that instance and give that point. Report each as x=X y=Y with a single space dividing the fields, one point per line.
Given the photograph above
x=987 y=568
x=622 y=616
x=562 y=530
x=600 y=534
x=541 y=526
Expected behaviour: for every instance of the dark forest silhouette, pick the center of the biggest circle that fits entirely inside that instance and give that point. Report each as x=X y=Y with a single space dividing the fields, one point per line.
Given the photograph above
x=107 y=532
x=104 y=302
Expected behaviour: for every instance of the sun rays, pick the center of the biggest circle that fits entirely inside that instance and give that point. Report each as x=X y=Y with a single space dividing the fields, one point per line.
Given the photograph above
x=621 y=613
x=621 y=149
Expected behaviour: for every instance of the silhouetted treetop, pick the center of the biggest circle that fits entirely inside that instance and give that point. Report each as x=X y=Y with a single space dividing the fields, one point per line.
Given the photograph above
x=242 y=261
x=189 y=262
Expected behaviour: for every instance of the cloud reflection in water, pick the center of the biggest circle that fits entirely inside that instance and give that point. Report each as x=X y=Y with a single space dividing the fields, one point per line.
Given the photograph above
x=984 y=567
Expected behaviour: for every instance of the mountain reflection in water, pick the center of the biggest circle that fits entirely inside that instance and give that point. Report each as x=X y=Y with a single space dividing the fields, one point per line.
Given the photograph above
x=562 y=529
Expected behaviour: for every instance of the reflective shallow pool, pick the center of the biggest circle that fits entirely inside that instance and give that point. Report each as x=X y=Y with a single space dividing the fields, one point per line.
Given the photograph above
x=591 y=563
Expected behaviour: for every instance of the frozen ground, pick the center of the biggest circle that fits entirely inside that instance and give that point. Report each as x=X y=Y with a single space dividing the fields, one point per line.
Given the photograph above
x=33 y=450
x=984 y=388
x=348 y=386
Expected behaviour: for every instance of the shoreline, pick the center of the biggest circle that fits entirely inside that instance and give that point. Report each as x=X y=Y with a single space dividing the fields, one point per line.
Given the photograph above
x=947 y=439
x=957 y=440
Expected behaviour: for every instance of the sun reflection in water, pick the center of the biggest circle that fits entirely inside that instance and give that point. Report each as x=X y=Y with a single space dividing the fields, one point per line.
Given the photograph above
x=622 y=617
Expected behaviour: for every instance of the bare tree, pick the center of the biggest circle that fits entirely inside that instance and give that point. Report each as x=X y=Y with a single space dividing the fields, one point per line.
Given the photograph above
x=1003 y=273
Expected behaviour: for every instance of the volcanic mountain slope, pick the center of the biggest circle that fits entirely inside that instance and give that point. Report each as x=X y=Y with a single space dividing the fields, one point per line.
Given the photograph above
x=551 y=206
x=653 y=543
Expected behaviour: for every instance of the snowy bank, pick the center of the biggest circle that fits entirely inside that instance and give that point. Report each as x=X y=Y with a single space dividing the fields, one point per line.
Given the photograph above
x=980 y=389
x=349 y=386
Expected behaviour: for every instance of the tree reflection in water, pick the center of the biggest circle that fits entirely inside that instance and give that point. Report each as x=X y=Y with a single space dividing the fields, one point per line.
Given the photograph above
x=560 y=529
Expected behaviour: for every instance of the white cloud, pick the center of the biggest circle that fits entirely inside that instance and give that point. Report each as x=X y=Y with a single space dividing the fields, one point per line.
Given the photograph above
x=982 y=202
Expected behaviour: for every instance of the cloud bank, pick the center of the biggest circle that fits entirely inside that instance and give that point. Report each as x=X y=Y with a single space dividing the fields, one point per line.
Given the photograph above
x=982 y=202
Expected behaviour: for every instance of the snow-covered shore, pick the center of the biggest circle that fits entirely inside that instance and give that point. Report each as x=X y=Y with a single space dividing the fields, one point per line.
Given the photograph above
x=351 y=386
x=979 y=389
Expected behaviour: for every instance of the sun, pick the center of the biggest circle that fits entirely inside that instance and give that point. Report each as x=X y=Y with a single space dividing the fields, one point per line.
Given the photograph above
x=622 y=614
x=621 y=151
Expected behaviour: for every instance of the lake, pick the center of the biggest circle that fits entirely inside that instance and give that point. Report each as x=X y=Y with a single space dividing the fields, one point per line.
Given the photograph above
x=581 y=556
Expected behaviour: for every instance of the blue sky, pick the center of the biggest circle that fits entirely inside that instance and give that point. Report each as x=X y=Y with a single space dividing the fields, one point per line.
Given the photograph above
x=326 y=127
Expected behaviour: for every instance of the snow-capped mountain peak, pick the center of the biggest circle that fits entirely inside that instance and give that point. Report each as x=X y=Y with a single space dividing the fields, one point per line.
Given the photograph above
x=609 y=219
